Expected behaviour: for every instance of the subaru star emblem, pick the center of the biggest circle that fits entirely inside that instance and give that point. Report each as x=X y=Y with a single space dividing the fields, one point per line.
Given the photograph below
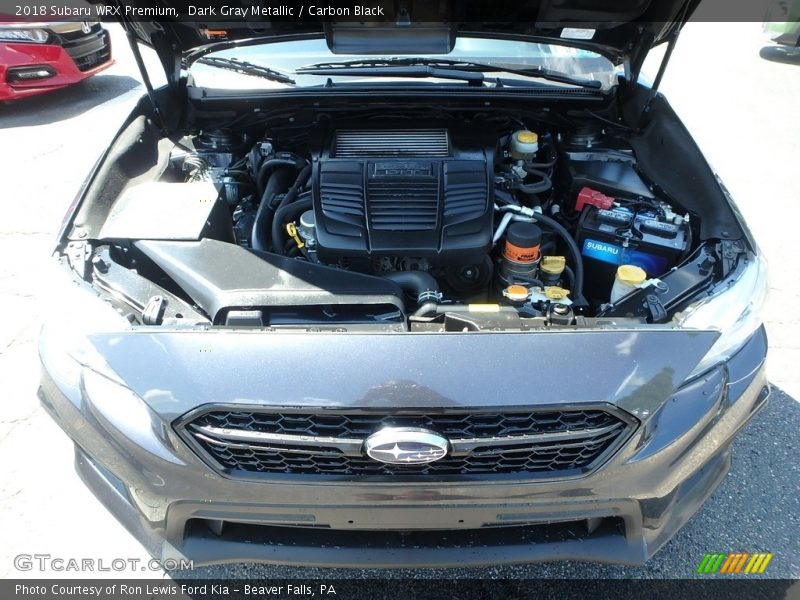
x=86 y=27
x=405 y=446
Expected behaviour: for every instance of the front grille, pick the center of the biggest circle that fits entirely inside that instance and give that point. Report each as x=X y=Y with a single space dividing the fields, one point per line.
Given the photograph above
x=87 y=50
x=544 y=442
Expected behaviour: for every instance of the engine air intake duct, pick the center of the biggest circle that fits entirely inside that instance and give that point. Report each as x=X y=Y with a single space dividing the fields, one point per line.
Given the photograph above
x=285 y=291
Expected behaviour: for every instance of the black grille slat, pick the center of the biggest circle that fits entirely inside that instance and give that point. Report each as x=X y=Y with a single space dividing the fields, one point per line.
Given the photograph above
x=465 y=192
x=338 y=200
x=403 y=203
x=87 y=50
x=382 y=142
x=341 y=196
x=473 y=425
x=590 y=434
x=86 y=47
x=467 y=204
x=539 y=458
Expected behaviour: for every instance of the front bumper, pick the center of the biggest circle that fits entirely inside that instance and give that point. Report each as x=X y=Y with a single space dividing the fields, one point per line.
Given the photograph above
x=179 y=507
x=65 y=71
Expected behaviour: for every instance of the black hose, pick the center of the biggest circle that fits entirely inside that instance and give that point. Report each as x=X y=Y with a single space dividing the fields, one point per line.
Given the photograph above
x=577 y=292
x=302 y=179
x=270 y=164
x=542 y=165
x=260 y=236
x=286 y=208
x=415 y=283
x=570 y=277
x=283 y=215
x=536 y=188
x=548 y=248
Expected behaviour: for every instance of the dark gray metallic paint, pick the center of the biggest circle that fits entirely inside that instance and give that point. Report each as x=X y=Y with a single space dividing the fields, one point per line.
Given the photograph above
x=175 y=372
x=654 y=483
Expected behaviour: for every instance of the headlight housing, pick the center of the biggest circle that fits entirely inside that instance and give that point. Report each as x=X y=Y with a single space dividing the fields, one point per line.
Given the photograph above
x=734 y=310
x=39 y=36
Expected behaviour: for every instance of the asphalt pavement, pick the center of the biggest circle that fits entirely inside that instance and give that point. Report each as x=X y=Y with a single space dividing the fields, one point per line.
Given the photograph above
x=739 y=100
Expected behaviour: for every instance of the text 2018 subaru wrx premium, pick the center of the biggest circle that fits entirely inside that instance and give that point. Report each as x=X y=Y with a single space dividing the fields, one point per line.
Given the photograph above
x=435 y=289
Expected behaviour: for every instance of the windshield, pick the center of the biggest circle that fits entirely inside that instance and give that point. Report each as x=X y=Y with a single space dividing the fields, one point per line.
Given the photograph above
x=286 y=57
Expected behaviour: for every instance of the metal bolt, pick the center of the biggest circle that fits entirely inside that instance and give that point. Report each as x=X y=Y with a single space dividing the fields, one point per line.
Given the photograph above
x=561 y=309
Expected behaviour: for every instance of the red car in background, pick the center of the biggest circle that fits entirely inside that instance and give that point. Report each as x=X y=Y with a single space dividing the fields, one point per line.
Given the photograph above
x=39 y=57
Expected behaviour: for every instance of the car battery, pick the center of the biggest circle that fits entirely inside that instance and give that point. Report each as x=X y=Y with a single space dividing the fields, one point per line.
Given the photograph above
x=620 y=235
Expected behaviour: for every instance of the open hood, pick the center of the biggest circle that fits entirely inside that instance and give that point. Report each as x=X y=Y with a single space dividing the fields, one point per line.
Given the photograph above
x=622 y=30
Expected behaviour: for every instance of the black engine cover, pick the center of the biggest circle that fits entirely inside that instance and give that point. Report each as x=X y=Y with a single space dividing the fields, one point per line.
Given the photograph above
x=414 y=193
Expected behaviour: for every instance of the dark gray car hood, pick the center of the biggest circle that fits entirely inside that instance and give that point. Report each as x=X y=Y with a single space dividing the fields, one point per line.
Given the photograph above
x=637 y=370
x=623 y=30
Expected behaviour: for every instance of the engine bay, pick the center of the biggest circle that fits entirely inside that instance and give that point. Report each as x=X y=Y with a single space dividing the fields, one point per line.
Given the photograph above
x=468 y=222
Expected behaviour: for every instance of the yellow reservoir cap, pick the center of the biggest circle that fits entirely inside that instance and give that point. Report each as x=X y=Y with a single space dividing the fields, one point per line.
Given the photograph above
x=527 y=137
x=553 y=292
x=631 y=274
x=523 y=145
x=553 y=265
x=516 y=293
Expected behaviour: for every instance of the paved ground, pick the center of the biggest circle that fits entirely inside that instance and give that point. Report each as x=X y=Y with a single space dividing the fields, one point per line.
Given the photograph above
x=741 y=107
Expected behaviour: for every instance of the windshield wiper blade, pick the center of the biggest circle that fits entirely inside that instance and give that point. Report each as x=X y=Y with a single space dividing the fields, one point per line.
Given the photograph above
x=246 y=68
x=542 y=73
x=391 y=70
x=447 y=64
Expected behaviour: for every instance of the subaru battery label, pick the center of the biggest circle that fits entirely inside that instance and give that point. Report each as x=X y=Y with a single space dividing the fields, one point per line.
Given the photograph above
x=617 y=255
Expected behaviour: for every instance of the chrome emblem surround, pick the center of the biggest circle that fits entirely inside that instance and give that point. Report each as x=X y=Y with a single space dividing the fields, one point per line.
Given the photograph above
x=86 y=27
x=406 y=446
